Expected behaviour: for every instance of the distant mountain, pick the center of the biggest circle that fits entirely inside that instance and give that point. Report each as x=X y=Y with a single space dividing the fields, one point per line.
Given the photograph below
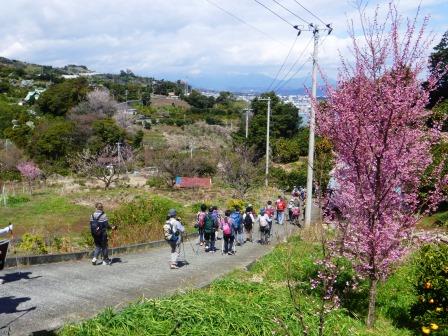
x=70 y=69
x=234 y=82
x=251 y=83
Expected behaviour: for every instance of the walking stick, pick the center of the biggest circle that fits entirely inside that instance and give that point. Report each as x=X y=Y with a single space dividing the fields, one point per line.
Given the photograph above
x=183 y=248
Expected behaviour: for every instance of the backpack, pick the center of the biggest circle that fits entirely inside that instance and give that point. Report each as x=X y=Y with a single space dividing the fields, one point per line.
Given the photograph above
x=263 y=221
x=201 y=219
x=210 y=223
x=236 y=220
x=269 y=211
x=296 y=211
x=248 y=221
x=281 y=205
x=226 y=228
x=95 y=226
x=168 y=231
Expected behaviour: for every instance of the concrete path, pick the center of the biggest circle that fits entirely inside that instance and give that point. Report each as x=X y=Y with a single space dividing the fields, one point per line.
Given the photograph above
x=42 y=298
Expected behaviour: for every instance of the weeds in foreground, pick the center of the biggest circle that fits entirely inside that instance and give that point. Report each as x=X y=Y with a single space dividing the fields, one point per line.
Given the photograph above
x=254 y=302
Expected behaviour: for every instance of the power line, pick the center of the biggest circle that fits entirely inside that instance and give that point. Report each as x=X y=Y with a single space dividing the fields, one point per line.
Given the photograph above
x=279 y=85
x=285 y=8
x=273 y=12
x=244 y=22
x=300 y=68
x=284 y=62
x=310 y=12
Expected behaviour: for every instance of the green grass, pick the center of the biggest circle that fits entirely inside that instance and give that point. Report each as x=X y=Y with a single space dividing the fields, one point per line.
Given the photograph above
x=254 y=302
x=45 y=212
x=437 y=220
x=154 y=139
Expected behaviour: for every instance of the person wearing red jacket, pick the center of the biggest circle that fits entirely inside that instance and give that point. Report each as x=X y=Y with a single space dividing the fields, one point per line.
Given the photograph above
x=280 y=206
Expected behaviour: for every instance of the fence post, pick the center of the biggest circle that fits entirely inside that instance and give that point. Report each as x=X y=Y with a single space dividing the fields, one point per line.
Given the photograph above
x=4 y=195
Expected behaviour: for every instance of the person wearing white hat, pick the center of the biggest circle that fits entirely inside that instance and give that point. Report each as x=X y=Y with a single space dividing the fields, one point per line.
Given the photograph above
x=173 y=230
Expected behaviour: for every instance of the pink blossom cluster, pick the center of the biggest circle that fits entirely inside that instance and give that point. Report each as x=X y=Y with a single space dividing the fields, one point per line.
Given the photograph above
x=376 y=121
x=29 y=170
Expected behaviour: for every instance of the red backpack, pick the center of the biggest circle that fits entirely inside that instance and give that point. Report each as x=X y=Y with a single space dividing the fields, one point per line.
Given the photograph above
x=281 y=205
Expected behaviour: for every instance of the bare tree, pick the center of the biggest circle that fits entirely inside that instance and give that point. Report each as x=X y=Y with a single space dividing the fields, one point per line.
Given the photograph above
x=99 y=105
x=10 y=156
x=106 y=165
x=239 y=170
x=123 y=119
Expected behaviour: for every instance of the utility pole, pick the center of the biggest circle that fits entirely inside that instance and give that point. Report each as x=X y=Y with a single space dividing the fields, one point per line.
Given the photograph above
x=310 y=169
x=267 y=138
x=309 y=175
x=120 y=157
x=126 y=92
x=247 y=110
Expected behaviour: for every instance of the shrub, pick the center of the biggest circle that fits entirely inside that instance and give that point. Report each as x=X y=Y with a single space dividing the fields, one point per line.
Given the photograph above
x=10 y=175
x=431 y=309
x=62 y=244
x=441 y=218
x=13 y=200
x=86 y=239
x=286 y=180
x=156 y=182
x=33 y=243
x=211 y=120
x=233 y=202
x=286 y=150
x=142 y=219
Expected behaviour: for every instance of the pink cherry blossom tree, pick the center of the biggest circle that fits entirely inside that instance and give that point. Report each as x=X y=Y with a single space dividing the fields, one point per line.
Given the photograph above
x=30 y=171
x=376 y=121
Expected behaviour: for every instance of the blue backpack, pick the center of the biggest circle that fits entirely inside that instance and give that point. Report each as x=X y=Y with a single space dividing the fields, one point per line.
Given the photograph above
x=236 y=220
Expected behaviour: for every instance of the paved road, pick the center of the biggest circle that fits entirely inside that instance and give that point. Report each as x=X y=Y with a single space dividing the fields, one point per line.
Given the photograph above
x=44 y=297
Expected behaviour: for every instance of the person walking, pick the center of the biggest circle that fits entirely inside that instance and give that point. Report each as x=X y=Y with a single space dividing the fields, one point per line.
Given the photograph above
x=173 y=230
x=280 y=208
x=237 y=224
x=228 y=233
x=99 y=224
x=217 y=217
x=270 y=210
x=200 y=222
x=211 y=224
x=248 y=220
x=290 y=206
x=263 y=222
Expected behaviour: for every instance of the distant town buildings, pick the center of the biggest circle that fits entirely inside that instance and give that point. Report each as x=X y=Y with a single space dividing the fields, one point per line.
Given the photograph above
x=303 y=104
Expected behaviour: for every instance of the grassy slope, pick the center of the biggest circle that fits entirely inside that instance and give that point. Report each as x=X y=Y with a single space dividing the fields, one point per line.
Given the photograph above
x=254 y=302
x=50 y=214
x=45 y=212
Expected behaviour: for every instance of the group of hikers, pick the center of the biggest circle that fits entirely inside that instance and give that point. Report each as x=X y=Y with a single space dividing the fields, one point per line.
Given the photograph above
x=235 y=227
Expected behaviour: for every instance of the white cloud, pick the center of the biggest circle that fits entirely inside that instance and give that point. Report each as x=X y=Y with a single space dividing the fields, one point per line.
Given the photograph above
x=175 y=37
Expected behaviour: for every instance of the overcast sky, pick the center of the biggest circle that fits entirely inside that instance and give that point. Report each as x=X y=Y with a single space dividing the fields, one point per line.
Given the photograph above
x=180 y=38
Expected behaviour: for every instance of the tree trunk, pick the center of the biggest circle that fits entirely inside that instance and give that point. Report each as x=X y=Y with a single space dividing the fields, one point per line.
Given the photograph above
x=372 y=302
